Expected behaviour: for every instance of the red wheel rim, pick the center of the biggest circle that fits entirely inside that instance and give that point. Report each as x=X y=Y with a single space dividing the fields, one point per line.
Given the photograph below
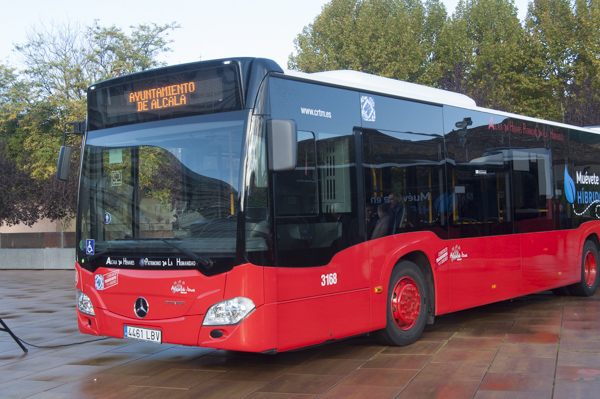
x=406 y=303
x=589 y=268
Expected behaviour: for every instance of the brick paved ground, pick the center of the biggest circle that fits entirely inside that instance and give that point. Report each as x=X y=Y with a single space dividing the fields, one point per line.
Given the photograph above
x=539 y=346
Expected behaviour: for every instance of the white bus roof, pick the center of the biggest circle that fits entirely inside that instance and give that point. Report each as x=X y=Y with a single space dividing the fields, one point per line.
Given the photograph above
x=379 y=84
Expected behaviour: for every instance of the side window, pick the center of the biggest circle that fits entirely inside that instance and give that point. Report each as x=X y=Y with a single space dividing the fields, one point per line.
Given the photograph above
x=532 y=176
x=296 y=194
x=532 y=190
x=337 y=176
x=479 y=177
x=316 y=202
x=404 y=171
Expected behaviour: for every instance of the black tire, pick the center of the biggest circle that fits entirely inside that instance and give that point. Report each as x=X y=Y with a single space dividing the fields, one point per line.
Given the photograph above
x=405 y=325
x=589 y=272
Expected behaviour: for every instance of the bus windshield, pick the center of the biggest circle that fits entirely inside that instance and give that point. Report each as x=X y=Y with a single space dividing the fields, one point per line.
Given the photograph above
x=165 y=190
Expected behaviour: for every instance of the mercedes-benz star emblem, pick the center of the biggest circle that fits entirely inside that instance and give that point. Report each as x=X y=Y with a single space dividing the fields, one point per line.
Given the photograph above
x=141 y=307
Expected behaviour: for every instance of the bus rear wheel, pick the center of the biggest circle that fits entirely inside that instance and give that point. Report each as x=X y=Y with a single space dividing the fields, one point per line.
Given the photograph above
x=406 y=306
x=589 y=271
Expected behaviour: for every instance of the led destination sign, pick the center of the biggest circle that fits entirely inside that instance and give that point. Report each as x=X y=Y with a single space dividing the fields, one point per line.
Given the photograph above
x=162 y=97
x=164 y=94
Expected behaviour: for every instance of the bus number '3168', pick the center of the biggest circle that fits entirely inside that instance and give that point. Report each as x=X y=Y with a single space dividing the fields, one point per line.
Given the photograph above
x=328 y=279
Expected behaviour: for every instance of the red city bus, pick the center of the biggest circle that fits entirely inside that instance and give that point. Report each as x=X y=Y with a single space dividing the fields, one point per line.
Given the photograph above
x=229 y=204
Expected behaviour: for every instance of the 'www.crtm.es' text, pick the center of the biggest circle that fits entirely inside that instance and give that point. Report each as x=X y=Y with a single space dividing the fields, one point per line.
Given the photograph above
x=315 y=112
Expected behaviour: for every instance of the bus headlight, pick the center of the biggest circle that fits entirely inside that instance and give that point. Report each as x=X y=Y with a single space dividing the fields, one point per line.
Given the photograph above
x=84 y=304
x=230 y=311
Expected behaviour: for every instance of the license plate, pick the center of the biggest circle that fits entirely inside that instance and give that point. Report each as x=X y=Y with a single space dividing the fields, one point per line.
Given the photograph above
x=142 y=334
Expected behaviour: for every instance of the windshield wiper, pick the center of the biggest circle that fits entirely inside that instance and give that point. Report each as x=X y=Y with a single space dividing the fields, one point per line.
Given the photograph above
x=206 y=262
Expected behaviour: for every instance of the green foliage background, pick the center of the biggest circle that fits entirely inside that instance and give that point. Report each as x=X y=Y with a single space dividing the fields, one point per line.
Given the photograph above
x=35 y=103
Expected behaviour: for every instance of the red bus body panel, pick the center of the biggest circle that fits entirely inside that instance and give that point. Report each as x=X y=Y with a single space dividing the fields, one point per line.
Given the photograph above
x=178 y=301
x=317 y=304
x=297 y=307
x=484 y=270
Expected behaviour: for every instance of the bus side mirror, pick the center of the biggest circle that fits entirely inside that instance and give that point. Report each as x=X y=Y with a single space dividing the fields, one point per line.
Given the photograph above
x=282 y=136
x=64 y=156
x=64 y=161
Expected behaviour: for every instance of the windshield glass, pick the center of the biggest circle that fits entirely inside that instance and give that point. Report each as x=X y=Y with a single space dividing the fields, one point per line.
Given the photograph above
x=163 y=191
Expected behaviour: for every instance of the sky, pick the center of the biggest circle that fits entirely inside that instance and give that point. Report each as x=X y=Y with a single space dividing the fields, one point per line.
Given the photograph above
x=210 y=29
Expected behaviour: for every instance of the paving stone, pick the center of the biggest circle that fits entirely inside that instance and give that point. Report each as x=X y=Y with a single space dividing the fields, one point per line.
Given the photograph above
x=537 y=346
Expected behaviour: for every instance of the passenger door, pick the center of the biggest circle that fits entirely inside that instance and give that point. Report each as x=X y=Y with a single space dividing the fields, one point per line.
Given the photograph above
x=322 y=274
x=484 y=254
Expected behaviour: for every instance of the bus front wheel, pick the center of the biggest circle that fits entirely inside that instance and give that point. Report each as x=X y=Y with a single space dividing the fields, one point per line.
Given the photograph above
x=406 y=313
x=589 y=271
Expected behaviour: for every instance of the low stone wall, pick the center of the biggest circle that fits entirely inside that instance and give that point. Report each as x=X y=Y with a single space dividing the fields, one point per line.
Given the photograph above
x=37 y=258
x=55 y=239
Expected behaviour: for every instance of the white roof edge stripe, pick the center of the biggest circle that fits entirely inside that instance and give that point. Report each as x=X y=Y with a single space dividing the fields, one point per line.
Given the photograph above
x=379 y=84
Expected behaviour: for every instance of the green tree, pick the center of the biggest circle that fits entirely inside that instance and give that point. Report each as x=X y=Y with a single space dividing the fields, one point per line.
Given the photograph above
x=15 y=99
x=551 y=26
x=583 y=100
x=110 y=52
x=60 y=63
x=481 y=53
x=393 y=38
x=436 y=19
x=19 y=193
